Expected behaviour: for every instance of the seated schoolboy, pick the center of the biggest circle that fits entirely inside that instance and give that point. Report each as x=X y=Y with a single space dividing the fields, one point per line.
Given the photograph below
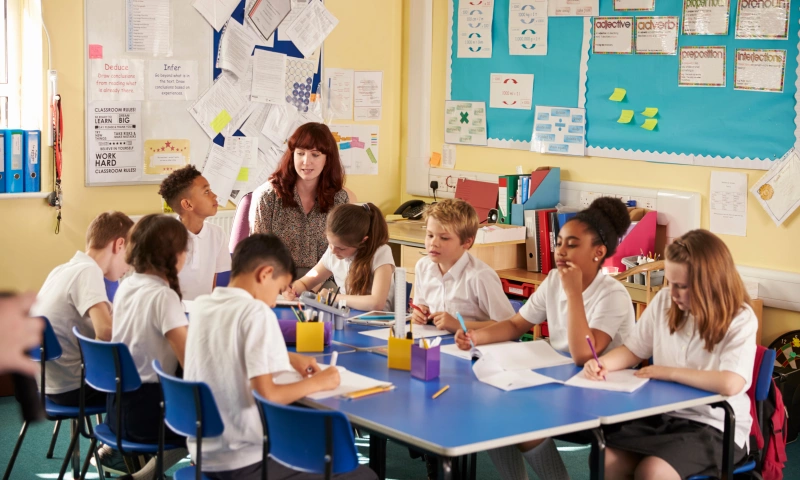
x=448 y=280
x=235 y=346
x=188 y=193
x=74 y=295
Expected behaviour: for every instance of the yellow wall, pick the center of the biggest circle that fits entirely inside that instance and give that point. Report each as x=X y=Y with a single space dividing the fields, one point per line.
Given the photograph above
x=368 y=37
x=765 y=246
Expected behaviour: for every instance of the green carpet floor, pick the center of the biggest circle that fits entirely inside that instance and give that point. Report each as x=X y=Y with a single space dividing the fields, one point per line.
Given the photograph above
x=32 y=464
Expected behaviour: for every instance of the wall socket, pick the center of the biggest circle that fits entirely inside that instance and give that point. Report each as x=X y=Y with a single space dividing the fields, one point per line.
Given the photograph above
x=586 y=199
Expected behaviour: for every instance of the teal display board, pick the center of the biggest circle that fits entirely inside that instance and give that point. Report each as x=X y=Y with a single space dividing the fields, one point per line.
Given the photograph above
x=696 y=125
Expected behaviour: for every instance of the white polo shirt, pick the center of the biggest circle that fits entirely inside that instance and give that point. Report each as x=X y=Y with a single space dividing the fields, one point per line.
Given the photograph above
x=233 y=338
x=470 y=288
x=340 y=269
x=208 y=254
x=686 y=349
x=145 y=309
x=65 y=299
x=607 y=304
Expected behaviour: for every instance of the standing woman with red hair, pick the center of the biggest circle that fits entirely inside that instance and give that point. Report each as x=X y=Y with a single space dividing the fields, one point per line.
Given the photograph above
x=295 y=202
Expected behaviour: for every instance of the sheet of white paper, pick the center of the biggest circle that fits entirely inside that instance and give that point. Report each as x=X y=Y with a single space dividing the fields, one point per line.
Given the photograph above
x=222 y=95
x=701 y=67
x=340 y=83
x=559 y=130
x=762 y=20
x=516 y=355
x=255 y=122
x=475 y=29
x=527 y=27
x=613 y=35
x=706 y=18
x=269 y=74
x=511 y=90
x=297 y=7
x=267 y=15
x=367 y=95
x=149 y=27
x=489 y=370
x=574 y=8
x=244 y=147
x=120 y=79
x=253 y=30
x=619 y=381
x=279 y=122
x=728 y=203
x=236 y=48
x=299 y=78
x=266 y=164
x=221 y=169
x=216 y=12
x=465 y=122
x=311 y=27
x=420 y=331
x=350 y=382
x=778 y=191
x=448 y=156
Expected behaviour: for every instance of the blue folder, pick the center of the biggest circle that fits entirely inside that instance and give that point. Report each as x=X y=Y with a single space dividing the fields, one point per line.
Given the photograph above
x=14 y=161
x=33 y=160
x=2 y=161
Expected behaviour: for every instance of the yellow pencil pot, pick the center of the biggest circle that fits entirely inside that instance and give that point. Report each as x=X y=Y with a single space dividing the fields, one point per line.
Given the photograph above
x=310 y=336
x=400 y=353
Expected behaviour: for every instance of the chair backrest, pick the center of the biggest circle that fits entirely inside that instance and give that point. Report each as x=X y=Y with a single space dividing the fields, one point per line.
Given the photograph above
x=50 y=345
x=516 y=305
x=180 y=402
x=223 y=279
x=297 y=437
x=111 y=289
x=241 y=222
x=103 y=361
x=409 y=286
x=764 y=379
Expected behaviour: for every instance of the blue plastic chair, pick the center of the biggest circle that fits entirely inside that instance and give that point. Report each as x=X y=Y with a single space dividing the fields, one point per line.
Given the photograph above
x=111 y=289
x=50 y=350
x=763 y=381
x=109 y=368
x=306 y=440
x=516 y=304
x=223 y=278
x=201 y=421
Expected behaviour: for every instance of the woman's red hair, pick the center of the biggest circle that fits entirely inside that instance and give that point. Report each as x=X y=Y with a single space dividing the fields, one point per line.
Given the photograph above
x=311 y=136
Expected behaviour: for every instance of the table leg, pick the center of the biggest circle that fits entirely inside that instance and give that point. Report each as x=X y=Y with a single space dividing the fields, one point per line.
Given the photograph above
x=727 y=439
x=446 y=465
x=597 y=457
x=473 y=467
x=377 y=455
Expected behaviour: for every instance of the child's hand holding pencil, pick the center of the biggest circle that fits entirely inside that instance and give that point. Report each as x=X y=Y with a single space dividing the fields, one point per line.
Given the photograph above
x=420 y=315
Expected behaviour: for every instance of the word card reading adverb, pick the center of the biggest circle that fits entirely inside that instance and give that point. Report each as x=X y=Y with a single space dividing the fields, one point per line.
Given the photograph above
x=613 y=35
x=511 y=90
x=702 y=67
x=657 y=35
x=759 y=70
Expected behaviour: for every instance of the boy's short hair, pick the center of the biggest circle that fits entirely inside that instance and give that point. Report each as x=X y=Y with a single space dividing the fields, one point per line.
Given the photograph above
x=456 y=216
x=259 y=249
x=106 y=228
x=174 y=188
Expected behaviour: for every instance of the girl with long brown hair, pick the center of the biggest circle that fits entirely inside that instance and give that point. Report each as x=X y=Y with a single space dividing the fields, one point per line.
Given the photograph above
x=700 y=332
x=359 y=258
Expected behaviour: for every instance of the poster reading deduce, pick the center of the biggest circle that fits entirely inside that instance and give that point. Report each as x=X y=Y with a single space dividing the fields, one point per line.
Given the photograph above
x=115 y=142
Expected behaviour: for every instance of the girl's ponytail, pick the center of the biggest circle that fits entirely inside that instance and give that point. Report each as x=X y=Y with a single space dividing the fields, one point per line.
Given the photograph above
x=351 y=223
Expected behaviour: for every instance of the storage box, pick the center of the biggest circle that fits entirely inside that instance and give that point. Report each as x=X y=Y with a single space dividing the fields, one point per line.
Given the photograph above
x=499 y=233
x=425 y=362
x=656 y=277
x=546 y=195
x=640 y=239
x=520 y=289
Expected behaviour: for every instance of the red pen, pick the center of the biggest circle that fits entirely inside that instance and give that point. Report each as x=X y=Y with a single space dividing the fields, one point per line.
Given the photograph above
x=419 y=310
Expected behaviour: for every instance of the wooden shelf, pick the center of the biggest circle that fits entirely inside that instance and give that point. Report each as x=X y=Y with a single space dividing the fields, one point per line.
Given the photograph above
x=14 y=196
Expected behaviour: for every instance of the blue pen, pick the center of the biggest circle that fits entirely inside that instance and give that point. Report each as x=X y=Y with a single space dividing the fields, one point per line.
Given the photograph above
x=464 y=327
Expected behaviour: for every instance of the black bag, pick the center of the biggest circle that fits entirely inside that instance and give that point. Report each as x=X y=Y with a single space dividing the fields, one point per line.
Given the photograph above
x=787 y=378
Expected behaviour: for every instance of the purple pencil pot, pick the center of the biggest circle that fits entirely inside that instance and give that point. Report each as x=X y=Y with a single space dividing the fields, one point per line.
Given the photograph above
x=425 y=362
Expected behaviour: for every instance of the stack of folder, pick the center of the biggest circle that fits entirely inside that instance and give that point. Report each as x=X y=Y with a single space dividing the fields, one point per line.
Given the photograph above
x=518 y=193
x=20 y=166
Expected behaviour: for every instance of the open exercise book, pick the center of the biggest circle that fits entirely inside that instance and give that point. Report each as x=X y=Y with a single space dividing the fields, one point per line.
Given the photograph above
x=515 y=355
x=351 y=382
x=489 y=371
x=619 y=381
x=420 y=331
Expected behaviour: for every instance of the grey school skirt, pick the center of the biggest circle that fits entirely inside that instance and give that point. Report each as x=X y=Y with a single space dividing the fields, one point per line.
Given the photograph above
x=690 y=447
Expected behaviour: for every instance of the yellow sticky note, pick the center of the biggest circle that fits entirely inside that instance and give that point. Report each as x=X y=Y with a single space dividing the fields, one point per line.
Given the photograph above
x=626 y=116
x=650 y=112
x=222 y=120
x=244 y=175
x=618 y=95
x=650 y=124
x=436 y=159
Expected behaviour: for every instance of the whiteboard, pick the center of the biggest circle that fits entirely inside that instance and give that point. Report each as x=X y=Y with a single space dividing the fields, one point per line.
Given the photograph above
x=192 y=40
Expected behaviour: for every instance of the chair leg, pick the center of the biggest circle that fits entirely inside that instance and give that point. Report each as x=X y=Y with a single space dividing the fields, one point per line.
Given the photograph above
x=21 y=437
x=92 y=446
x=54 y=439
x=68 y=456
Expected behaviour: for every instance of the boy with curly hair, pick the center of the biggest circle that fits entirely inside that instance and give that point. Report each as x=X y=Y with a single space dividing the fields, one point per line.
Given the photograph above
x=189 y=194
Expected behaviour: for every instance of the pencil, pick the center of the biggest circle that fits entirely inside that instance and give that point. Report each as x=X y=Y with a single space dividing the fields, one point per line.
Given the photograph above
x=367 y=391
x=444 y=389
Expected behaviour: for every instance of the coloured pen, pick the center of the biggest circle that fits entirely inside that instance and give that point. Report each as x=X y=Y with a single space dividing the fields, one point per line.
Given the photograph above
x=594 y=353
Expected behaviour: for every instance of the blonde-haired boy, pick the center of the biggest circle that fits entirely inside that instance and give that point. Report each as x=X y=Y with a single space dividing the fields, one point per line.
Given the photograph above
x=449 y=280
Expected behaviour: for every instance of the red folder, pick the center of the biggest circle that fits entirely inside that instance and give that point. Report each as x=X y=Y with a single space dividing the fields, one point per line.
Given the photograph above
x=481 y=195
x=536 y=179
x=545 y=245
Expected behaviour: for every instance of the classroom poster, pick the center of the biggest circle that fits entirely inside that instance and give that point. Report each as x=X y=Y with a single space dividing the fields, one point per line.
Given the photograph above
x=527 y=27
x=148 y=28
x=613 y=35
x=511 y=90
x=759 y=70
x=465 y=122
x=299 y=79
x=162 y=157
x=778 y=191
x=358 y=147
x=702 y=67
x=116 y=79
x=706 y=17
x=573 y=8
x=657 y=35
x=762 y=20
x=559 y=130
x=475 y=29
x=367 y=95
x=172 y=80
x=115 y=142
x=635 y=5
